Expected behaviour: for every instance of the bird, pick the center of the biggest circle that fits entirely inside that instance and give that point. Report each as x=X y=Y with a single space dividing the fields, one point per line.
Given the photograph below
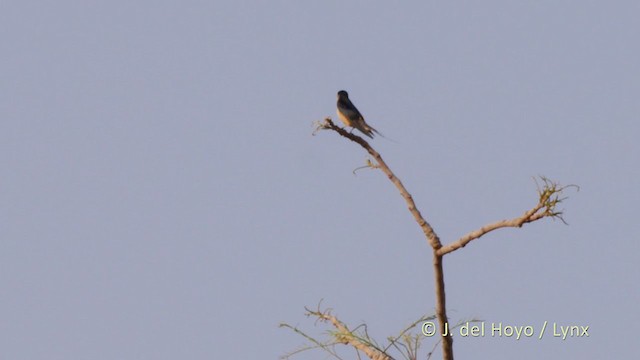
x=351 y=117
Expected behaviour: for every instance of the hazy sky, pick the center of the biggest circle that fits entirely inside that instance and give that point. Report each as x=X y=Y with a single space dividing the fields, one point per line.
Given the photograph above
x=162 y=195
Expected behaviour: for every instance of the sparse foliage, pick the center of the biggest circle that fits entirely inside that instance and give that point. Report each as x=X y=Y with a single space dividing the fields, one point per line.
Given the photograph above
x=406 y=343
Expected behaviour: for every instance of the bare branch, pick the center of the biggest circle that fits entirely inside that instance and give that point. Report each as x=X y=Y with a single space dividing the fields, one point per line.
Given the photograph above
x=432 y=237
x=430 y=234
x=548 y=200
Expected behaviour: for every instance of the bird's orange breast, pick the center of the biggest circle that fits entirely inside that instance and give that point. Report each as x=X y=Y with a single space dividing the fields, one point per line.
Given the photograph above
x=345 y=120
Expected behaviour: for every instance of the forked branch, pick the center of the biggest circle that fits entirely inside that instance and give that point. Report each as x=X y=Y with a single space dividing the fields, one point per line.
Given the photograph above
x=549 y=198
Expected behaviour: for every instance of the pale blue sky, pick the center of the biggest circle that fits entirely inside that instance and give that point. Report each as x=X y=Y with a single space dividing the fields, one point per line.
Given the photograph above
x=162 y=196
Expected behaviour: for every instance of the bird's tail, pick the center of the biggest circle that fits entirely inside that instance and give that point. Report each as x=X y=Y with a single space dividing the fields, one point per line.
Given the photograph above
x=364 y=128
x=372 y=130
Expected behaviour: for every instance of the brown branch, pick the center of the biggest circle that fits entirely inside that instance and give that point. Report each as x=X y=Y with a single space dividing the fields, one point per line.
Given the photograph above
x=432 y=238
x=346 y=336
x=546 y=207
x=517 y=222
x=430 y=234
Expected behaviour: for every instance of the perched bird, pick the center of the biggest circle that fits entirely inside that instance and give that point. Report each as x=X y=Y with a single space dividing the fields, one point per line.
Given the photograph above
x=350 y=116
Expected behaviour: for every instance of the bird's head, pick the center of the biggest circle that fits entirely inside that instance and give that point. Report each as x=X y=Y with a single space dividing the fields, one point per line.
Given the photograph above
x=342 y=93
